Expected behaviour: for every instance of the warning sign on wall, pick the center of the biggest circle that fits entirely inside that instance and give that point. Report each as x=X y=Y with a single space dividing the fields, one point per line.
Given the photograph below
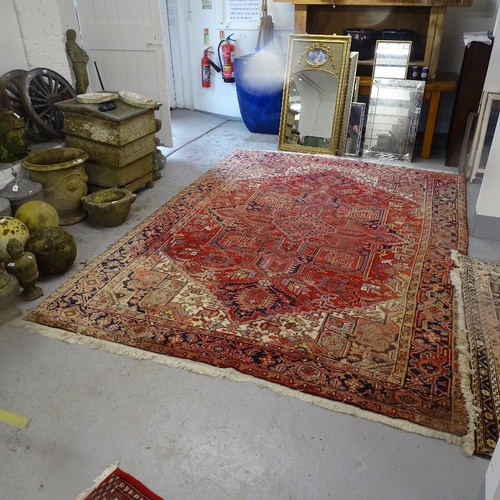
x=243 y=11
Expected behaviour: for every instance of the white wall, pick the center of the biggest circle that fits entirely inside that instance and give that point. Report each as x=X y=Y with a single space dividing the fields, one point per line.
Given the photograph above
x=492 y=82
x=32 y=35
x=67 y=14
x=12 y=54
x=44 y=22
x=221 y=98
x=479 y=17
x=488 y=204
x=42 y=36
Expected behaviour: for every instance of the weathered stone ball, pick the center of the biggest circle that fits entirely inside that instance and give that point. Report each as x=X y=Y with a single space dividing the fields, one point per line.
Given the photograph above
x=10 y=227
x=54 y=249
x=37 y=215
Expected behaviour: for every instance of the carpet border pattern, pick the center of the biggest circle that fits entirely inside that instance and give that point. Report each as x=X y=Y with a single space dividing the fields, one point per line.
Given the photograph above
x=476 y=303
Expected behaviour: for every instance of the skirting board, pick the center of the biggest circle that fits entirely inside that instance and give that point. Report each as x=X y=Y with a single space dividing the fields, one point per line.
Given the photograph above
x=486 y=227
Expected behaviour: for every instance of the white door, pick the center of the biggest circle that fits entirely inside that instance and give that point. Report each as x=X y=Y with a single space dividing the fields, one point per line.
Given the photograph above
x=124 y=39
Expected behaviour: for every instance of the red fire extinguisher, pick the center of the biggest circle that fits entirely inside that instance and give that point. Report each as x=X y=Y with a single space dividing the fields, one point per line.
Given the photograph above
x=206 y=62
x=227 y=59
x=205 y=68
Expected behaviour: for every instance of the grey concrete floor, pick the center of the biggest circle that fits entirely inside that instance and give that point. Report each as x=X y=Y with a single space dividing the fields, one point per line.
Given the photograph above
x=189 y=436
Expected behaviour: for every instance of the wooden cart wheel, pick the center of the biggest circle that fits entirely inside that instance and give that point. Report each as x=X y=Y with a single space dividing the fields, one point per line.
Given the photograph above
x=40 y=89
x=9 y=90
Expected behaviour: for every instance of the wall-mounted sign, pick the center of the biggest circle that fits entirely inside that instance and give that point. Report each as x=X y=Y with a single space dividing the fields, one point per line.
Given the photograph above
x=240 y=14
x=206 y=4
x=244 y=11
x=246 y=14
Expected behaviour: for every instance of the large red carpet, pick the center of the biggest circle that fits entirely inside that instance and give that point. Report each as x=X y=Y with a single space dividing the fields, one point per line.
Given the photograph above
x=327 y=276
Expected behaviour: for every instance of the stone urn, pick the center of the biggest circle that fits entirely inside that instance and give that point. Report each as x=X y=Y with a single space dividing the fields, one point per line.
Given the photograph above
x=61 y=172
x=9 y=290
x=109 y=206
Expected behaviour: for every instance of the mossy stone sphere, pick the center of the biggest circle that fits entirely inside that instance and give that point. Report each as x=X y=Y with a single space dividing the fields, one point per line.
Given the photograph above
x=10 y=227
x=37 y=215
x=54 y=249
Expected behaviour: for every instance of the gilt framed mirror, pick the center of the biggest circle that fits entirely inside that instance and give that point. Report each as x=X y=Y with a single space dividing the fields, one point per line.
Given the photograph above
x=392 y=122
x=391 y=59
x=312 y=110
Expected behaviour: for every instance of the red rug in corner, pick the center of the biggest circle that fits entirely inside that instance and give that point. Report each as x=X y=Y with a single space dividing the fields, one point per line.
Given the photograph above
x=118 y=485
x=325 y=276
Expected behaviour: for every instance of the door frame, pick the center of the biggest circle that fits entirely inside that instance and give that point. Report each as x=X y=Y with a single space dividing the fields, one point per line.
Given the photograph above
x=180 y=54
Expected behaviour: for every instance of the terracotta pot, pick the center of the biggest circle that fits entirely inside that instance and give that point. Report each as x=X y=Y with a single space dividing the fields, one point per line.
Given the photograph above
x=61 y=172
x=109 y=206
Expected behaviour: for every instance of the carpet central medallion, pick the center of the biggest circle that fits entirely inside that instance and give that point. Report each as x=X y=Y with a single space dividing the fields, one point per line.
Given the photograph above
x=325 y=275
x=292 y=246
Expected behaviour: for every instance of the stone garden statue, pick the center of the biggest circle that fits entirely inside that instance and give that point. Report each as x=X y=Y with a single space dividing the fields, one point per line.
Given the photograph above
x=79 y=60
x=23 y=266
x=13 y=139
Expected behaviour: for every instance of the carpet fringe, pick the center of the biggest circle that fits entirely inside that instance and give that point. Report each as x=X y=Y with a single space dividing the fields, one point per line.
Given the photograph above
x=466 y=442
x=464 y=356
x=97 y=480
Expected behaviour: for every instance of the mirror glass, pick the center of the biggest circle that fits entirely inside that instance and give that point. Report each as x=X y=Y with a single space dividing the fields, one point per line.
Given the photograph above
x=312 y=99
x=485 y=129
x=392 y=122
x=355 y=130
x=466 y=150
x=349 y=98
x=391 y=59
x=314 y=93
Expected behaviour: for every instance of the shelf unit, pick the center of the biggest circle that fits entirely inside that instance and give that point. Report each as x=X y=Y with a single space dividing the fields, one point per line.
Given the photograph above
x=425 y=17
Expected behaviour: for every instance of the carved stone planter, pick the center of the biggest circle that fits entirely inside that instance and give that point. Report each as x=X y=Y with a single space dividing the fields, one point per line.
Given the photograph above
x=109 y=206
x=61 y=172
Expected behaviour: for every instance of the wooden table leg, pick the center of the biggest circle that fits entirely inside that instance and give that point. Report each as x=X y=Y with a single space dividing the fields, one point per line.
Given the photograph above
x=430 y=125
x=300 y=19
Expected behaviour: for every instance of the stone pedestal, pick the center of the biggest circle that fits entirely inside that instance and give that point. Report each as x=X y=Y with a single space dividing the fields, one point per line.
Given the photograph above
x=120 y=143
